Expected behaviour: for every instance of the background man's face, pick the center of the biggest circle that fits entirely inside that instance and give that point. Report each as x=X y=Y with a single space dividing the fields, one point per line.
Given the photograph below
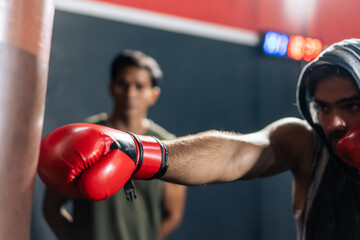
x=132 y=92
x=338 y=104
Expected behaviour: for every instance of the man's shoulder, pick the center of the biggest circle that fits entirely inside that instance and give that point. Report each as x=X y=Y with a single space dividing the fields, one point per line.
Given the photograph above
x=293 y=122
x=159 y=132
x=100 y=118
x=292 y=137
x=291 y=127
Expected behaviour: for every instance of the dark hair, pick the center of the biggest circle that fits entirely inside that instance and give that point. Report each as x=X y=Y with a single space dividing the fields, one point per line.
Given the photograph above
x=139 y=59
x=319 y=72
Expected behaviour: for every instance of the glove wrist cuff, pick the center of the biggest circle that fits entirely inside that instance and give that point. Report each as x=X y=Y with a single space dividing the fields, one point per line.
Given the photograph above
x=152 y=158
x=164 y=166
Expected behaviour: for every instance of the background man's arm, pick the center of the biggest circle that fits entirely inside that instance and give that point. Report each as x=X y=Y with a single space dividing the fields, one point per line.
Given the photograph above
x=56 y=215
x=173 y=208
x=215 y=156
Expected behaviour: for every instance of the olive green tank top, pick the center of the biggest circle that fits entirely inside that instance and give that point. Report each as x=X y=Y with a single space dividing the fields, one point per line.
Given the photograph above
x=116 y=218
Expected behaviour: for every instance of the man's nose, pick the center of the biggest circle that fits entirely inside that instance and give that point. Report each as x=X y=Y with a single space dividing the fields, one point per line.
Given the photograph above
x=131 y=91
x=337 y=122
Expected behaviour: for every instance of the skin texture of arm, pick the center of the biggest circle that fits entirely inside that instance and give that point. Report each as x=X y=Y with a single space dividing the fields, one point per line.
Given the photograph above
x=56 y=215
x=215 y=156
x=173 y=208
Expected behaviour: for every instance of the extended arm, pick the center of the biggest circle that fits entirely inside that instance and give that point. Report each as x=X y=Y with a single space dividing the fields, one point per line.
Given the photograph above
x=215 y=156
x=97 y=161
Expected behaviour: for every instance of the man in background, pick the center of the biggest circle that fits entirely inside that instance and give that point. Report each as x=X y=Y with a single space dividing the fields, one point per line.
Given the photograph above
x=158 y=208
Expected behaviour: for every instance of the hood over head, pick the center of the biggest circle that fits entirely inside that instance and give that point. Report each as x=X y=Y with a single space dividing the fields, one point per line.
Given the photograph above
x=345 y=54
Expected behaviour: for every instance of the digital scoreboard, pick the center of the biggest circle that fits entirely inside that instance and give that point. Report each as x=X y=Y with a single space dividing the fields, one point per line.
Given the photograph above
x=294 y=46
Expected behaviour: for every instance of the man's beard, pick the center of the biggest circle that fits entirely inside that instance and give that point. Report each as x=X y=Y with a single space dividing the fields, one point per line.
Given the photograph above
x=334 y=137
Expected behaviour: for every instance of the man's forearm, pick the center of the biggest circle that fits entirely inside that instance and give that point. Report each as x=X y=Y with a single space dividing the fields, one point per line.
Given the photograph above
x=173 y=206
x=168 y=225
x=202 y=158
x=56 y=215
x=60 y=225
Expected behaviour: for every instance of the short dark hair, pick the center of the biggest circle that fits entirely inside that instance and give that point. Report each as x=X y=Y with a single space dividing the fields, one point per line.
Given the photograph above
x=139 y=59
x=319 y=72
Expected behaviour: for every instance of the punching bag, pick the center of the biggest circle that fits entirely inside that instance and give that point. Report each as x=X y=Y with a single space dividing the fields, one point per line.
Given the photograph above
x=25 y=39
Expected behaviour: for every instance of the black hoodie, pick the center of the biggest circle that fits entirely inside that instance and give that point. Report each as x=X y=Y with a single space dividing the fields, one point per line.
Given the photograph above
x=335 y=209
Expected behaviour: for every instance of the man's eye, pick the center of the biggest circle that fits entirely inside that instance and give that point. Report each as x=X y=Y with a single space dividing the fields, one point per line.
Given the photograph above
x=353 y=107
x=139 y=86
x=321 y=107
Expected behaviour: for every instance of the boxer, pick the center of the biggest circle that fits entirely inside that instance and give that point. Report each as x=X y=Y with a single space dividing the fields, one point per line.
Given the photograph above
x=323 y=160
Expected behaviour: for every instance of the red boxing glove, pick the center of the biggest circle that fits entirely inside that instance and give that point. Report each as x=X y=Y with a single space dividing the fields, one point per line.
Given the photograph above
x=348 y=148
x=91 y=161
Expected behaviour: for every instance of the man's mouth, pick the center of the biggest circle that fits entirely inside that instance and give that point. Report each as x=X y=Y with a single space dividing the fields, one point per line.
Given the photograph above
x=336 y=136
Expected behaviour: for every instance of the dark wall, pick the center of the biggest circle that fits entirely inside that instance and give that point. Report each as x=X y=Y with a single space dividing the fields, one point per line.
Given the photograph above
x=207 y=84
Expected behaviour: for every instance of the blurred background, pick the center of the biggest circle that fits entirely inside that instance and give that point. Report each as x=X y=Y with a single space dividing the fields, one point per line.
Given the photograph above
x=216 y=76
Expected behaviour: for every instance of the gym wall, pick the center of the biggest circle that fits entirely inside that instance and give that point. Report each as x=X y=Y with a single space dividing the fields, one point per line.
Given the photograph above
x=208 y=84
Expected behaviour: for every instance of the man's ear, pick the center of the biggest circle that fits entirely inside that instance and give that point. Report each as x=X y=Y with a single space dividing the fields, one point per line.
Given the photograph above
x=155 y=95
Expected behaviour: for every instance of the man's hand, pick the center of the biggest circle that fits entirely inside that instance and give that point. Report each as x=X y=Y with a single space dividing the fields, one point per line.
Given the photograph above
x=94 y=162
